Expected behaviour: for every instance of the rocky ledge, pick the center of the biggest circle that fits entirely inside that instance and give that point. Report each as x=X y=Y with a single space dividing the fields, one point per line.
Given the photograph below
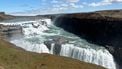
x=10 y=30
x=101 y=27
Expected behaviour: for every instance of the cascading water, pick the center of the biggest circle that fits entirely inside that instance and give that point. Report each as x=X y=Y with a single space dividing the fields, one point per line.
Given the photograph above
x=36 y=33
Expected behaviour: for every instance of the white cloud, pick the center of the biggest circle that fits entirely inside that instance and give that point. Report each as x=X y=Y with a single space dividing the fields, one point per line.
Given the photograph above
x=113 y=1
x=117 y=1
x=59 y=6
x=104 y=2
x=74 y=1
x=64 y=5
x=100 y=4
x=73 y=5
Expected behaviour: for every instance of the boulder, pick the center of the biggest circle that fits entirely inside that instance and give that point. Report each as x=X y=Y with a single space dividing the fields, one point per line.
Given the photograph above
x=55 y=43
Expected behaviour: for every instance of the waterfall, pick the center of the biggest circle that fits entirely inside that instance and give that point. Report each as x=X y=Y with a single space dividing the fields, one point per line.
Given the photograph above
x=77 y=48
x=52 y=48
x=100 y=57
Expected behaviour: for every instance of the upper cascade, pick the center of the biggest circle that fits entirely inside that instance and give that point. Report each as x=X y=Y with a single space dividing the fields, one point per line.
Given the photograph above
x=42 y=36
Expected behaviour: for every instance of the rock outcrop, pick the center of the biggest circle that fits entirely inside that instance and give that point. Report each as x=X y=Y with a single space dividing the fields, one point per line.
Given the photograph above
x=10 y=30
x=96 y=28
x=57 y=42
x=4 y=16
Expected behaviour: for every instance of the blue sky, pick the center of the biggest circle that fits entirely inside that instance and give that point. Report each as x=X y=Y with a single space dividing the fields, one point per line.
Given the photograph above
x=36 y=7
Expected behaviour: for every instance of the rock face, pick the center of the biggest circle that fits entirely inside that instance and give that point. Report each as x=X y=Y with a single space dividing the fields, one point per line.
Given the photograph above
x=10 y=30
x=57 y=42
x=2 y=13
x=96 y=28
x=4 y=16
x=117 y=53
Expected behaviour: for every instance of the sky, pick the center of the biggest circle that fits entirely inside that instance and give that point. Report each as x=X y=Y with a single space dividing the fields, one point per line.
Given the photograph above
x=40 y=7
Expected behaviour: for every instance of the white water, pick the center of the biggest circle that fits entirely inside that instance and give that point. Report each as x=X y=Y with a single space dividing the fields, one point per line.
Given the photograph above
x=33 y=40
x=99 y=57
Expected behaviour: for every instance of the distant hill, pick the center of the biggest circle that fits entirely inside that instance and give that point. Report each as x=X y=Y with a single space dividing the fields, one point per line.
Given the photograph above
x=106 y=14
x=111 y=13
x=4 y=16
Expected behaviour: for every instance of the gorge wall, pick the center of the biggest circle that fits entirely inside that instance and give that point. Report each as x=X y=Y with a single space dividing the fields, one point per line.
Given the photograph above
x=97 y=29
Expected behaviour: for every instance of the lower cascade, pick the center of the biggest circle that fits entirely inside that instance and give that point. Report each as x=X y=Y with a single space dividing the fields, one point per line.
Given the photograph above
x=44 y=37
x=99 y=57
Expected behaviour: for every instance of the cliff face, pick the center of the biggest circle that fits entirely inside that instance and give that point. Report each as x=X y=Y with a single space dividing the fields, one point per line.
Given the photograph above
x=96 y=28
x=10 y=30
x=4 y=16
